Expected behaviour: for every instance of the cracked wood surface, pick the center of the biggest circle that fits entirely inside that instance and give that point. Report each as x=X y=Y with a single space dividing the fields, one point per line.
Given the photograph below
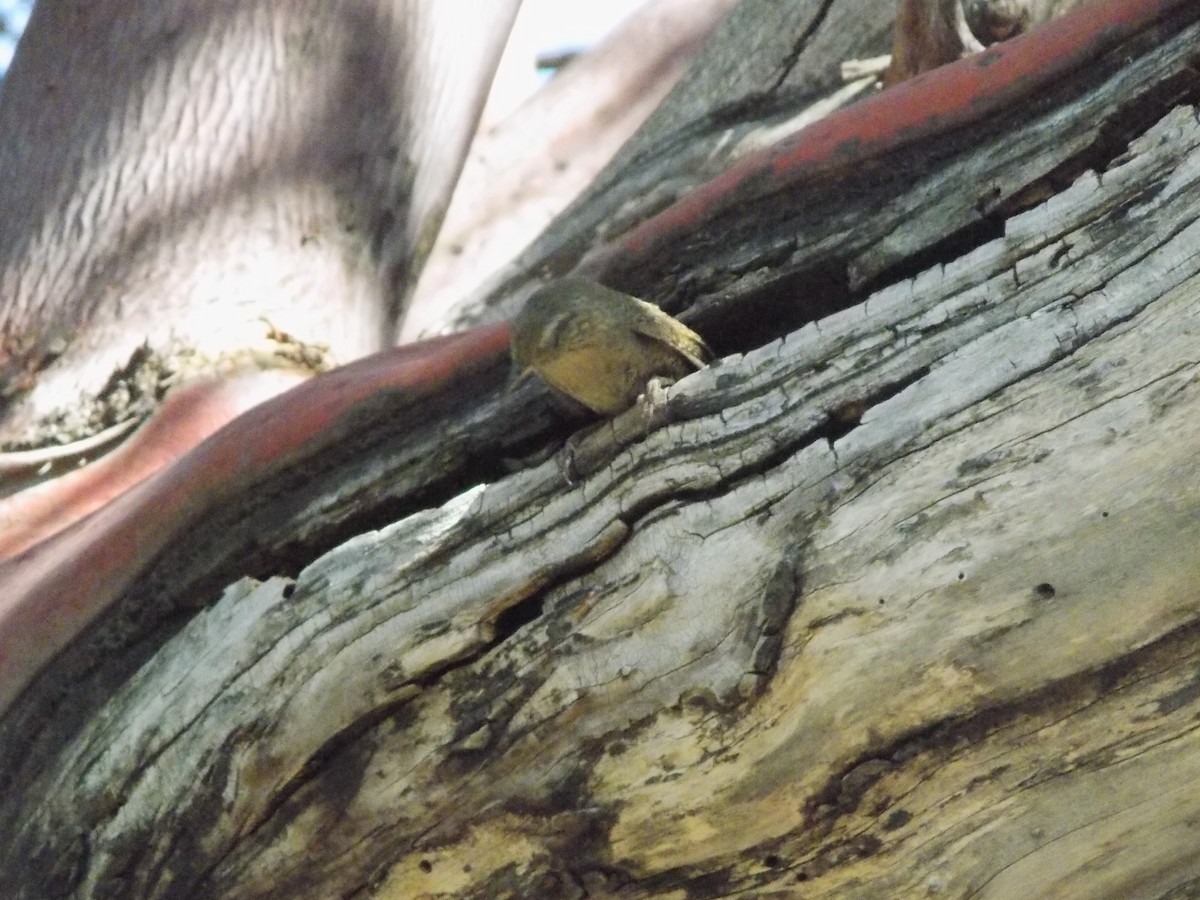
x=948 y=647
x=903 y=603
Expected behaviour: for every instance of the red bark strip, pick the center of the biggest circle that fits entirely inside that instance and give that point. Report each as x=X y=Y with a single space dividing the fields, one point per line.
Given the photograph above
x=187 y=416
x=50 y=593
x=947 y=98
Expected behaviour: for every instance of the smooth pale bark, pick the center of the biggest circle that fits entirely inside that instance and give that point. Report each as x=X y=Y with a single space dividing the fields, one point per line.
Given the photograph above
x=189 y=188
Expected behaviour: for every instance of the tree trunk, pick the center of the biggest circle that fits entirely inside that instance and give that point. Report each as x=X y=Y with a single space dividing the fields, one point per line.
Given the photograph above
x=897 y=598
x=193 y=189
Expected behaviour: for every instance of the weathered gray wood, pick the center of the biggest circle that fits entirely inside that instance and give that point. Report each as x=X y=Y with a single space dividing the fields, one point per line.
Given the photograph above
x=947 y=648
x=741 y=275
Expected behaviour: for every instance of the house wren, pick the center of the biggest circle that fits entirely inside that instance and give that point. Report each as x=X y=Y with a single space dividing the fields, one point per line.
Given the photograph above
x=600 y=347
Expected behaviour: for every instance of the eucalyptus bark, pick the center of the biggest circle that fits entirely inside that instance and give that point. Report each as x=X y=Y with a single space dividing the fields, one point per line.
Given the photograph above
x=896 y=598
x=193 y=190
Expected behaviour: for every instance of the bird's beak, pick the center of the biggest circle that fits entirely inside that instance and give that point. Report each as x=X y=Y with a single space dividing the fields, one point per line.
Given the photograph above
x=518 y=376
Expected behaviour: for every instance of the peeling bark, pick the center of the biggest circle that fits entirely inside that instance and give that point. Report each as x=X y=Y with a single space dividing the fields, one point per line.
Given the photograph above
x=898 y=597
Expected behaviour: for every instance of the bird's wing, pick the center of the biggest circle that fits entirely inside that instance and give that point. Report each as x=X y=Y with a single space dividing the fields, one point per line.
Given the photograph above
x=656 y=324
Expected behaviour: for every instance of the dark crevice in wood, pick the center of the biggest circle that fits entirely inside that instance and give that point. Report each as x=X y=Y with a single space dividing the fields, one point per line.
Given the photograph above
x=338 y=755
x=334 y=758
x=1140 y=113
x=949 y=249
x=1114 y=136
x=517 y=616
x=845 y=418
x=777 y=305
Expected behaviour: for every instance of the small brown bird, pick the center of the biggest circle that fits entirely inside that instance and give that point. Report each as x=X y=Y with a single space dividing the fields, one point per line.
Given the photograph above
x=599 y=346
